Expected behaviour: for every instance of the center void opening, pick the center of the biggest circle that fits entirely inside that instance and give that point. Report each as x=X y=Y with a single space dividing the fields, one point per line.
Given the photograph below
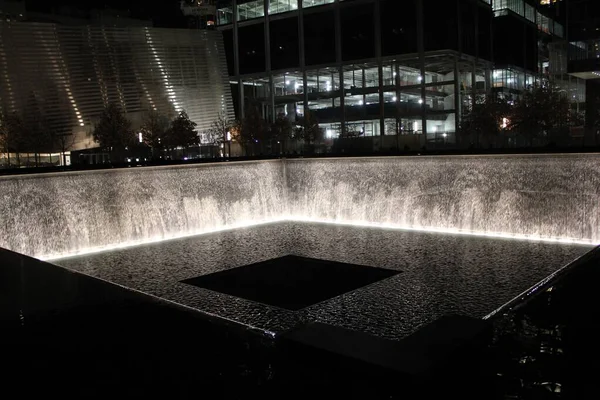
x=291 y=282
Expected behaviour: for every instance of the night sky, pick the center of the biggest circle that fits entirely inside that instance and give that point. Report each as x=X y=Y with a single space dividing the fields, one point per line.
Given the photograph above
x=164 y=12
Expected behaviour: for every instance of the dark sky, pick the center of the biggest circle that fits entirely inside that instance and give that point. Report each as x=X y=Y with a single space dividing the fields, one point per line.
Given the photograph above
x=163 y=12
x=137 y=6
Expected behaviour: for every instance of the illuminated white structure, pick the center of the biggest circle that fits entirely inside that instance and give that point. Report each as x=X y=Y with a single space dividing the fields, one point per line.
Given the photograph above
x=68 y=74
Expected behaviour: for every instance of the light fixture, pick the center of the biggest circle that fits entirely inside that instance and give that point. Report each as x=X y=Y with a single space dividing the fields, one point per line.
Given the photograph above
x=287 y=82
x=420 y=101
x=394 y=98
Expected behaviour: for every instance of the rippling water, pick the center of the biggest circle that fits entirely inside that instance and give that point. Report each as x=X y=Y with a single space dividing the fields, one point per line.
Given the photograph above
x=441 y=273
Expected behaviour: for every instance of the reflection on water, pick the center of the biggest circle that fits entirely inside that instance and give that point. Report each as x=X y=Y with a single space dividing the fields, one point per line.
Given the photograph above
x=441 y=274
x=548 y=347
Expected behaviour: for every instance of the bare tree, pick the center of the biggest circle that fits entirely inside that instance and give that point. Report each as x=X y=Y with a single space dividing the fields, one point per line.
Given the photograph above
x=154 y=129
x=220 y=131
x=12 y=135
x=64 y=142
x=113 y=131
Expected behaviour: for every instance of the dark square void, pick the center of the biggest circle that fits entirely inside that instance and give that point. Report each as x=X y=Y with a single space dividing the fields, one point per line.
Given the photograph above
x=291 y=282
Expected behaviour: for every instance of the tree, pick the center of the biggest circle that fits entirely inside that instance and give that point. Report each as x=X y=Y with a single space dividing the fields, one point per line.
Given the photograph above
x=39 y=136
x=220 y=131
x=64 y=143
x=539 y=111
x=154 y=129
x=485 y=119
x=253 y=127
x=182 y=132
x=281 y=130
x=12 y=135
x=309 y=129
x=113 y=131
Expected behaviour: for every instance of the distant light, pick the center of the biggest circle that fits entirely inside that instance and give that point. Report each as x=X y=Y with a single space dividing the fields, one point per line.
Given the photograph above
x=434 y=129
x=395 y=74
x=360 y=103
x=288 y=82
x=394 y=98
x=444 y=134
x=420 y=78
x=140 y=137
x=137 y=160
x=420 y=101
x=329 y=133
x=129 y=160
x=185 y=158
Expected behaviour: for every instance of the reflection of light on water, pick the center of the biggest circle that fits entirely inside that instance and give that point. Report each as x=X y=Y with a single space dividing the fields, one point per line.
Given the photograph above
x=124 y=245
x=357 y=224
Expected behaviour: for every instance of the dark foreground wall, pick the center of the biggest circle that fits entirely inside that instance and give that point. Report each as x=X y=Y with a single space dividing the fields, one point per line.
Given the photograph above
x=33 y=292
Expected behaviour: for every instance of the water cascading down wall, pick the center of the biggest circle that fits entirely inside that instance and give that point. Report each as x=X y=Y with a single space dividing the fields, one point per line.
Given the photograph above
x=547 y=197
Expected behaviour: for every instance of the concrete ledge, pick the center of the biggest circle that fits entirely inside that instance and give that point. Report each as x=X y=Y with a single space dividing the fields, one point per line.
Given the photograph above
x=444 y=345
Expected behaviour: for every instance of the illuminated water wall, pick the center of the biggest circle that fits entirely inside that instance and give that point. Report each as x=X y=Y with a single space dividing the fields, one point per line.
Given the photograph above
x=553 y=197
x=57 y=214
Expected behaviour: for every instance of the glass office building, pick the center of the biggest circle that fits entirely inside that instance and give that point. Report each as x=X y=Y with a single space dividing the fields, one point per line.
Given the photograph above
x=372 y=67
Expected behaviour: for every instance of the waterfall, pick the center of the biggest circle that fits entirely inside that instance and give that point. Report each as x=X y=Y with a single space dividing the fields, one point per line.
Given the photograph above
x=50 y=215
x=554 y=197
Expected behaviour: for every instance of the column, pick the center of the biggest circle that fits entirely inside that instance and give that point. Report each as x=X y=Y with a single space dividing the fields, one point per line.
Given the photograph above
x=456 y=95
x=271 y=116
x=377 y=24
x=302 y=55
x=338 y=59
x=236 y=60
x=421 y=47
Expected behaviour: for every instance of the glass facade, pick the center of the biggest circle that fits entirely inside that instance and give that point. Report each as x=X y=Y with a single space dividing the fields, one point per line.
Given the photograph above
x=330 y=61
x=527 y=11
